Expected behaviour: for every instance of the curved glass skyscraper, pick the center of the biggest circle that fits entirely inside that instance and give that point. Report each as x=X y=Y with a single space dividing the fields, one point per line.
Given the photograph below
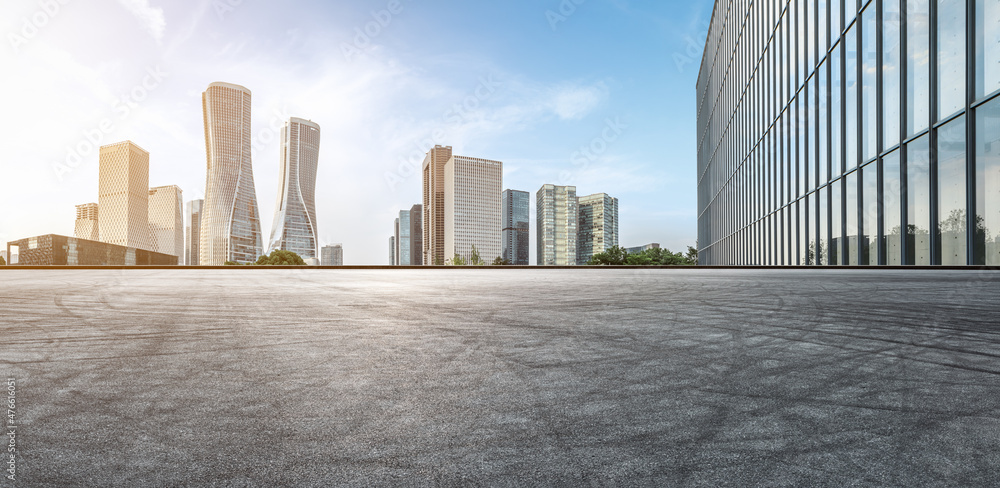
x=294 y=226
x=835 y=132
x=230 y=225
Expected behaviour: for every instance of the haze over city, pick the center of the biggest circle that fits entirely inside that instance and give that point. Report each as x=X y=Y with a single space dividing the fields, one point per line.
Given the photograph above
x=597 y=94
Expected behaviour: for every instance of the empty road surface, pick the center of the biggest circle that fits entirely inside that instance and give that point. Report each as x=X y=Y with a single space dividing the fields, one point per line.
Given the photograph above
x=512 y=377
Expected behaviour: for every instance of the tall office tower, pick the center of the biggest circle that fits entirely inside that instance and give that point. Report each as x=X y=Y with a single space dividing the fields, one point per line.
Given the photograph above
x=557 y=218
x=166 y=220
x=416 y=235
x=87 y=226
x=123 y=195
x=875 y=145
x=192 y=231
x=472 y=212
x=294 y=226
x=332 y=255
x=395 y=233
x=392 y=250
x=433 y=188
x=598 y=228
x=516 y=214
x=404 y=240
x=230 y=225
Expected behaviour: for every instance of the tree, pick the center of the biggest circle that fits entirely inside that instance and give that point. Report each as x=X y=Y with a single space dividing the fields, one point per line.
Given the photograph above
x=475 y=260
x=457 y=260
x=2 y=262
x=618 y=256
x=280 y=258
x=231 y=263
x=499 y=261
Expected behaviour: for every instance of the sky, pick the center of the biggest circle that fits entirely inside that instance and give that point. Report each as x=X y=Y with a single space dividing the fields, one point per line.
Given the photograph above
x=599 y=94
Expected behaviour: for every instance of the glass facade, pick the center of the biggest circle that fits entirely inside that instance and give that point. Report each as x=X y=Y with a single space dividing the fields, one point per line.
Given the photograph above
x=850 y=133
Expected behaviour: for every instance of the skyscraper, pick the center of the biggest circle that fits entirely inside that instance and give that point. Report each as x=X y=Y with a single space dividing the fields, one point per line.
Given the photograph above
x=192 y=232
x=416 y=235
x=87 y=226
x=850 y=133
x=472 y=212
x=332 y=255
x=294 y=226
x=433 y=188
x=392 y=250
x=556 y=226
x=166 y=220
x=598 y=227
x=404 y=251
x=123 y=195
x=516 y=214
x=230 y=226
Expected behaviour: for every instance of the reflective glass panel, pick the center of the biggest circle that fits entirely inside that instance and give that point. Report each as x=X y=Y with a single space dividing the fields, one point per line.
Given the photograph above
x=869 y=84
x=988 y=183
x=918 y=202
x=851 y=220
x=987 y=47
x=892 y=220
x=951 y=56
x=821 y=241
x=890 y=72
x=823 y=160
x=918 y=66
x=869 y=214
x=851 y=97
x=836 y=118
x=952 y=227
x=836 y=224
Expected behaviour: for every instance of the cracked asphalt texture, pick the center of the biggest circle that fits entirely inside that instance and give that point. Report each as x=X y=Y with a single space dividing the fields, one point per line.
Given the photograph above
x=513 y=377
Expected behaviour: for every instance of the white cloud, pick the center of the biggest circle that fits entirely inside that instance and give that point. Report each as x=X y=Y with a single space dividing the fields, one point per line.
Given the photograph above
x=574 y=102
x=152 y=18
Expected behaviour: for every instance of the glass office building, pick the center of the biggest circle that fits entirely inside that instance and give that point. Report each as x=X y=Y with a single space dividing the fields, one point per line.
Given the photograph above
x=850 y=133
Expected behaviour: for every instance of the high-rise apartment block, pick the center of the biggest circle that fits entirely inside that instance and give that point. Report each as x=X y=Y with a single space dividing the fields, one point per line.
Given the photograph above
x=123 y=195
x=294 y=226
x=557 y=218
x=332 y=255
x=850 y=133
x=516 y=215
x=87 y=226
x=230 y=229
x=192 y=232
x=166 y=220
x=598 y=227
x=472 y=209
x=403 y=242
x=433 y=206
x=416 y=235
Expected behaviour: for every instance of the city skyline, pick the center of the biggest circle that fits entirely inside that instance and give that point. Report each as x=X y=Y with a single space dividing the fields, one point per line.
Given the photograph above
x=394 y=101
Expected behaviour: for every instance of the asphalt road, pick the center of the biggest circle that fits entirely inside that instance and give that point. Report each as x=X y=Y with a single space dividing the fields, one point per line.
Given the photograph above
x=503 y=377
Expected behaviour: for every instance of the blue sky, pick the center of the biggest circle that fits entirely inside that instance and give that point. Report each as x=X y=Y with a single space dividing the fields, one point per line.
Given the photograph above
x=593 y=93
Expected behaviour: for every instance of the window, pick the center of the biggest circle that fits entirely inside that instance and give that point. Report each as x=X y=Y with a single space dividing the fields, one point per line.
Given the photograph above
x=851 y=98
x=987 y=231
x=917 y=67
x=890 y=72
x=952 y=227
x=851 y=219
x=869 y=215
x=951 y=57
x=869 y=87
x=987 y=47
x=918 y=201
